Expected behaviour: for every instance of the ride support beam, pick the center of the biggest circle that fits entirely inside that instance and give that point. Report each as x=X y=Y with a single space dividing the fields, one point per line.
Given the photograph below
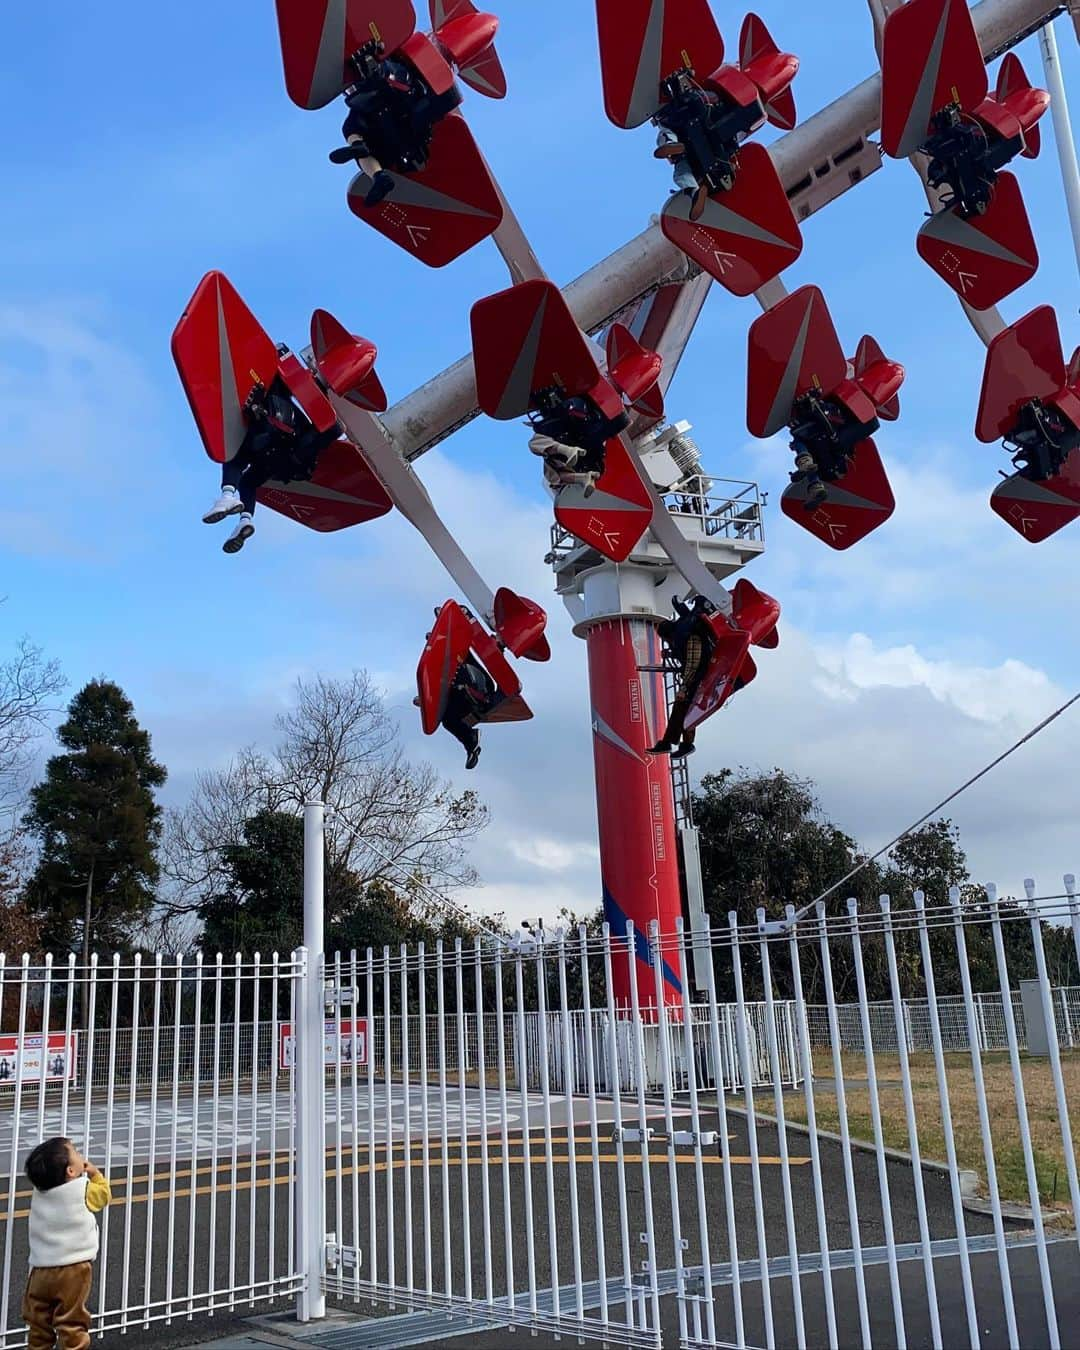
x=448 y=401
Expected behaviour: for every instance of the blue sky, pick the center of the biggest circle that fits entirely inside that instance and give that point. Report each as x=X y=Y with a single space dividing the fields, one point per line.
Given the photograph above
x=149 y=144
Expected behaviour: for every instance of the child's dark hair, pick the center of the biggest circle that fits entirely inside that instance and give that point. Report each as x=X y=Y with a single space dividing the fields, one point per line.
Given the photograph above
x=47 y=1165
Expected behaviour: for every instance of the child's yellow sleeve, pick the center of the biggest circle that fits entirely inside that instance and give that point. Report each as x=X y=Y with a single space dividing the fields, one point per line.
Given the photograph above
x=98 y=1194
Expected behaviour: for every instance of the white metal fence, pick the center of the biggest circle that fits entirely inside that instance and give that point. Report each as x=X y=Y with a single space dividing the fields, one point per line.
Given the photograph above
x=484 y=1134
x=990 y=1025
x=199 y=1154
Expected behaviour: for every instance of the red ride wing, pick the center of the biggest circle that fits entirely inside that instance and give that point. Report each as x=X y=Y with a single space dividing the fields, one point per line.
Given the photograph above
x=930 y=58
x=745 y=237
x=347 y=363
x=221 y=352
x=718 y=684
x=448 y=645
x=988 y=257
x=319 y=36
x=525 y=339
x=793 y=348
x=443 y=211
x=1023 y=362
x=756 y=613
x=858 y=503
x=642 y=42
x=617 y=514
x=520 y=624
x=342 y=492
x=1038 y=510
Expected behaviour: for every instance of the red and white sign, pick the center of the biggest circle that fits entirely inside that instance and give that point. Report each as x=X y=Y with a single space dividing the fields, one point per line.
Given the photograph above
x=354 y=1044
x=22 y=1057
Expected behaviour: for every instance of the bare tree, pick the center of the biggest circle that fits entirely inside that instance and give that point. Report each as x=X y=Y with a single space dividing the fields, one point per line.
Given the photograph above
x=28 y=684
x=388 y=819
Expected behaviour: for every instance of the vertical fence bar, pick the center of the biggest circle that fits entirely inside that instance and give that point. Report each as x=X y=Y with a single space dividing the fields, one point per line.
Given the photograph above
x=466 y=1207
x=43 y=1076
x=689 y=1050
x=310 y=1074
x=1055 y=1052
x=485 y=1180
x=641 y=1072
x=196 y=1070
x=253 y=1171
x=129 y=1190
x=174 y=1104
x=984 y=1116
x=526 y=1136
x=275 y=1040
x=215 y=1131
x=155 y=1050
x=938 y=1047
x=875 y=1118
x=656 y=957
x=1022 y=1119
x=747 y=1074
x=569 y=1088
x=89 y=1031
x=421 y=993
x=723 y=1132
x=912 y=1123
x=373 y=1226
x=545 y=1099
x=1074 y=912
x=615 y=1078
x=388 y=1061
x=406 y=1122
x=13 y=1157
x=806 y=1060
x=504 y=1130
x=845 y=1129
x=338 y=1228
x=781 y=1128
x=594 y=1127
x=440 y=1005
x=70 y=1060
x=354 y=1062
x=235 y=1131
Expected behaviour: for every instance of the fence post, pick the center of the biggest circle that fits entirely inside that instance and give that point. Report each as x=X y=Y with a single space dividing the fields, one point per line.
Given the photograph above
x=311 y=1082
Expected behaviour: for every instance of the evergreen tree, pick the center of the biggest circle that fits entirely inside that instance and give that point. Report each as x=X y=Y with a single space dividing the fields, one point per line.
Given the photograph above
x=97 y=824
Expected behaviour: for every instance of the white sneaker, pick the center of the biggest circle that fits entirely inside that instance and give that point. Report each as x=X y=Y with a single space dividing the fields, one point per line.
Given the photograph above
x=226 y=505
x=239 y=537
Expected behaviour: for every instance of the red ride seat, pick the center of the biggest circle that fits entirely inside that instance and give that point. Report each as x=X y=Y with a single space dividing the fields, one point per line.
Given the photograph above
x=455 y=636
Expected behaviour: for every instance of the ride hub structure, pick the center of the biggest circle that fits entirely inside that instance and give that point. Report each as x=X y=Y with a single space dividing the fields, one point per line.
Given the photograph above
x=646 y=535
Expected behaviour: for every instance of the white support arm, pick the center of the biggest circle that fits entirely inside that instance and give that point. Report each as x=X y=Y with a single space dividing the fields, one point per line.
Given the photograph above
x=410 y=497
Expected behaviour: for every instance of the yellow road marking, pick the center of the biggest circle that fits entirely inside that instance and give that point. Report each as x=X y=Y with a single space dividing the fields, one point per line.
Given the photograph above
x=400 y=1165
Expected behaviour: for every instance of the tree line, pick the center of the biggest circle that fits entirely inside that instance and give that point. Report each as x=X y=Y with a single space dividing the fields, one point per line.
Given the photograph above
x=92 y=861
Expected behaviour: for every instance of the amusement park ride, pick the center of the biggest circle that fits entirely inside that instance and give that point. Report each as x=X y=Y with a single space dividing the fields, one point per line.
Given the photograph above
x=640 y=526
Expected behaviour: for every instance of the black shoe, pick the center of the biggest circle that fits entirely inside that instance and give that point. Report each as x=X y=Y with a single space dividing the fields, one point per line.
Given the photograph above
x=687 y=748
x=816 y=494
x=347 y=154
x=381 y=187
x=473 y=759
x=661 y=748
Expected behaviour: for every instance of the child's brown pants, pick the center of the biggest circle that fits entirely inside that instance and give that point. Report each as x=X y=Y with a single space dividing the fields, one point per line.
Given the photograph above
x=54 y=1307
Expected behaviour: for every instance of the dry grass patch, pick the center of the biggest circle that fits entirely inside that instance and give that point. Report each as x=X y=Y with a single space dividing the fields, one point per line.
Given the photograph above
x=1042 y=1114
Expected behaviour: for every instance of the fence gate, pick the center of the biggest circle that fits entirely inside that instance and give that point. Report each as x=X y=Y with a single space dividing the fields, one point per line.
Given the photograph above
x=491 y=1116
x=509 y=1146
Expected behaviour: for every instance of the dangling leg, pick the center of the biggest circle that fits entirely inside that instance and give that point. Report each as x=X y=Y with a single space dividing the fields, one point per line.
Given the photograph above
x=668 y=146
x=356 y=149
x=253 y=477
x=229 y=503
x=465 y=734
